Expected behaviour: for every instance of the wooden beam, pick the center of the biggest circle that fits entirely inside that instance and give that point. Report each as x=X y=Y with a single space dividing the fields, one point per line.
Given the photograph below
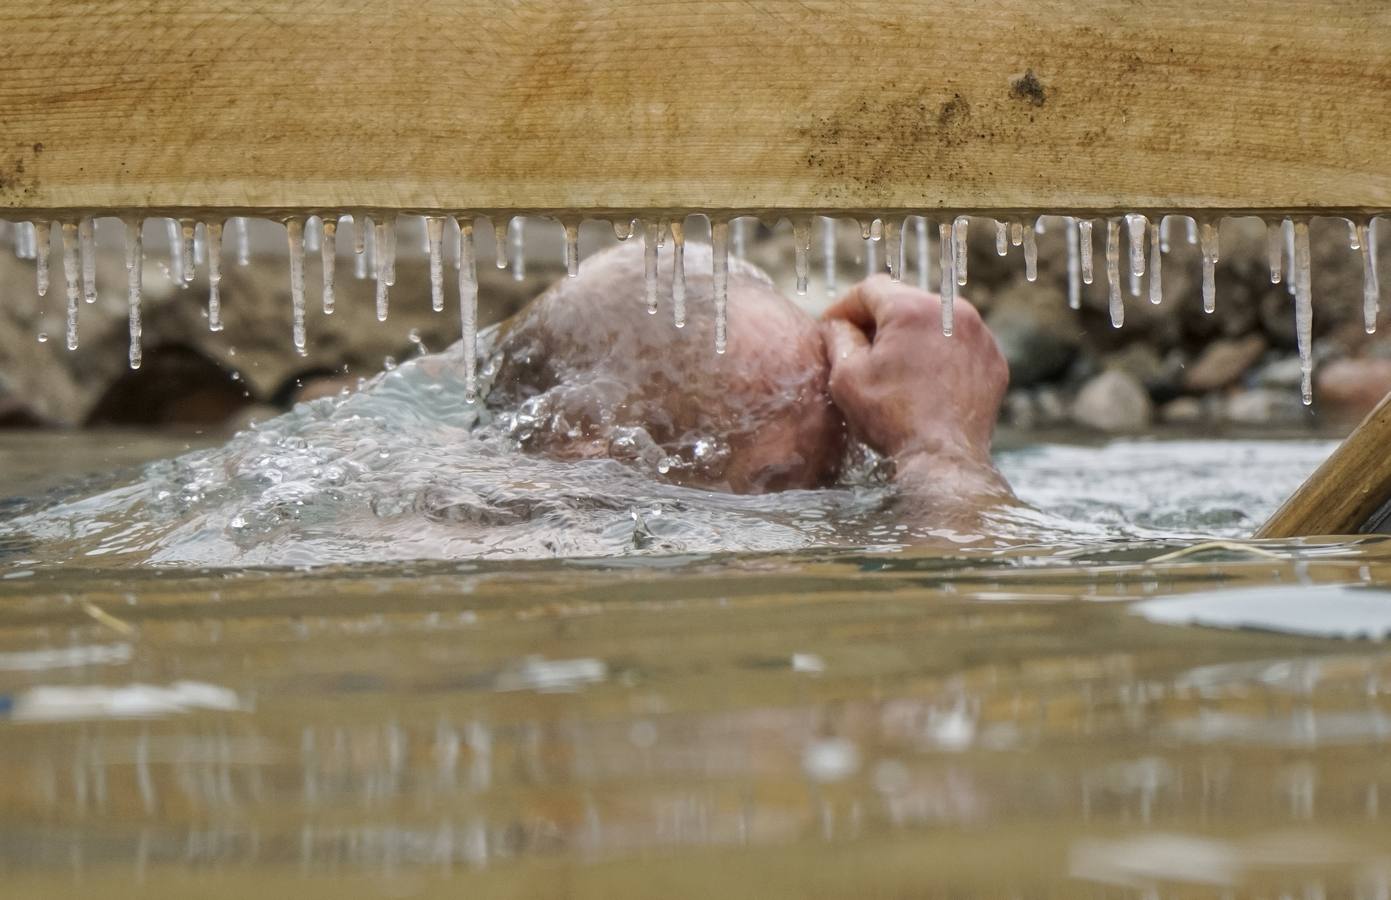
x=1348 y=491
x=833 y=105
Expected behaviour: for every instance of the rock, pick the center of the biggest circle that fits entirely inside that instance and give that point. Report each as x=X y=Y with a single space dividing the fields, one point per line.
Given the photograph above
x=1113 y=401
x=1223 y=362
x=175 y=386
x=1348 y=389
x=1267 y=407
x=1036 y=331
x=1183 y=411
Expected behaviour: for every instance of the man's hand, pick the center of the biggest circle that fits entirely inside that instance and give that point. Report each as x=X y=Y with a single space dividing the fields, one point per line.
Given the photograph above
x=927 y=400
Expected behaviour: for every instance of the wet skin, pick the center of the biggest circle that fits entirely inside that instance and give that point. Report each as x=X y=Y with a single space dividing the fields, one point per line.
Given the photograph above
x=594 y=374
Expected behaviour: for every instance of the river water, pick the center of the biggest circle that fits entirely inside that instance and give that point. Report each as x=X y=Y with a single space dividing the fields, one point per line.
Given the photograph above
x=374 y=675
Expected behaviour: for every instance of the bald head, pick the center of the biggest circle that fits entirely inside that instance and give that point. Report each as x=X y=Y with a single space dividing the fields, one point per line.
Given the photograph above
x=585 y=371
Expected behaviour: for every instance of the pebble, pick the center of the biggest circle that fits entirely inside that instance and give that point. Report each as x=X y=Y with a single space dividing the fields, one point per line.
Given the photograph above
x=1114 y=402
x=1223 y=362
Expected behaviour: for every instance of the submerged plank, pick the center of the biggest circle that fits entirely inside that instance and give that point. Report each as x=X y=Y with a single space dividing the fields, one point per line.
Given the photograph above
x=834 y=105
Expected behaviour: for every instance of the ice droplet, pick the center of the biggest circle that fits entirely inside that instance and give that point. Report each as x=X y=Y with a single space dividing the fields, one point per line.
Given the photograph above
x=1113 y=271
x=434 y=239
x=1030 y=254
x=1156 y=267
x=468 y=309
x=1371 y=290
x=42 y=240
x=213 y=230
x=1209 y=246
x=71 y=277
x=828 y=253
x=923 y=251
x=572 y=247
x=500 y=240
x=1084 y=235
x=1303 y=310
x=294 y=231
x=958 y=242
x=651 y=234
x=243 y=241
x=518 y=248
x=328 y=259
x=1274 y=249
x=946 y=257
x=1001 y=237
x=678 y=272
x=134 y=272
x=1074 y=273
x=719 y=270
x=893 y=248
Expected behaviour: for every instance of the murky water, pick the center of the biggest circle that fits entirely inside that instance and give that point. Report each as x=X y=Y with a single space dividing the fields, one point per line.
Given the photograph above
x=602 y=686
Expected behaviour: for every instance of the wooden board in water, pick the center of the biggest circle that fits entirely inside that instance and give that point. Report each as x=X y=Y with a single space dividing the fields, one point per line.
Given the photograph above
x=1279 y=105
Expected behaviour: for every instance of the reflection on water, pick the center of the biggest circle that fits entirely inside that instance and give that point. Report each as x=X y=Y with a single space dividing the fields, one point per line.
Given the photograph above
x=1127 y=710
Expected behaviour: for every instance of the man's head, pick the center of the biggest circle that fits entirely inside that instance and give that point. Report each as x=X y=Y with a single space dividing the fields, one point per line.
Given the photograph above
x=585 y=371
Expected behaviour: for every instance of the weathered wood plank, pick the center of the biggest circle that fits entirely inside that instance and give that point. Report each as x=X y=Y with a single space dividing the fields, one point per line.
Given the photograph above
x=970 y=105
x=1346 y=491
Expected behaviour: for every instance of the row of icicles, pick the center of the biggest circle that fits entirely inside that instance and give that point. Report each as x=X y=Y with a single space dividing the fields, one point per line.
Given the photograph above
x=374 y=246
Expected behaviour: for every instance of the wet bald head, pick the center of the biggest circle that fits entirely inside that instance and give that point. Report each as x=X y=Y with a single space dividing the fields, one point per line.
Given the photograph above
x=585 y=371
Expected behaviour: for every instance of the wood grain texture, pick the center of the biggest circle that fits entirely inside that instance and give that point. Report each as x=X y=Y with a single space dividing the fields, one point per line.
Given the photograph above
x=535 y=105
x=1343 y=493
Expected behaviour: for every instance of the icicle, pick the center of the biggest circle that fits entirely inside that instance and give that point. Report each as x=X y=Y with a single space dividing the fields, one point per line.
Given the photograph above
x=1192 y=226
x=719 y=270
x=328 y=257
x=867 y=228
x=1156 y=266
x=500 y=240
x=924 y=253
x=1354 y=239
x=1209 y=242
x=468 y=309
x=434 y=239
x=1303 y=310
x=1113 y=271
x=213 y=230
x=958 y=242
x=678 y=272
x=1135 y=230
x=1084 y=235
x=622 y=229
x=1074 y=273
x=381 y=233
x=25 y=243
x=1371 y=291
x=1016 y=233
x=893 y=249
x=313 y=234
x=42 y=241
x=86 y=242
x=186 y=229
x=876 y=229
x=134 y=273
x=871 y=257
x=1274 y=247
x=362 y=227
x=176 y=257
x=518 y=248
x=1030 y=254
x=1164 y=233
x=200 y=249
x=1001 y=237
x=244 y=242
x=651 y=234
x=828 y=253
x=71 y=276
x=1287 y=230
x=801 y=251
x=572 y=247
x=739 y=232
x=294 y=230
x=946 y=257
